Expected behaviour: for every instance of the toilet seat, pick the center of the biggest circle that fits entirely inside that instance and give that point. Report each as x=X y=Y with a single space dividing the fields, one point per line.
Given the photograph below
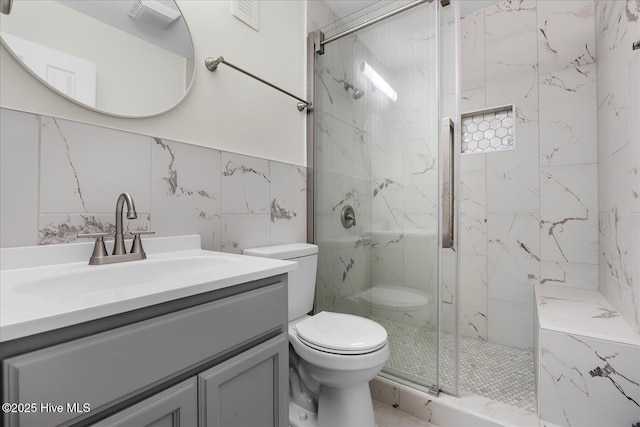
x=340 y=333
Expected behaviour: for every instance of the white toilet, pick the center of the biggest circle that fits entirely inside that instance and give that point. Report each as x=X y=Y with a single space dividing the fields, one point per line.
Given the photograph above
x=332 y=356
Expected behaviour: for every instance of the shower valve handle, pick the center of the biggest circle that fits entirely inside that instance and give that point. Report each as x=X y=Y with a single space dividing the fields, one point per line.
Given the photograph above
x=348 y=217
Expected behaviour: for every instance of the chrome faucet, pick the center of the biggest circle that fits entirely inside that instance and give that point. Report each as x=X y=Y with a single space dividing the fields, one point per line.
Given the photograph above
x=119 y=254
x=118 y=246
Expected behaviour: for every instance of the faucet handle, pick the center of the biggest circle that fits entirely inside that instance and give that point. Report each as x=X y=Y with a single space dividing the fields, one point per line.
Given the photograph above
x=136 y=246
x=99 y=249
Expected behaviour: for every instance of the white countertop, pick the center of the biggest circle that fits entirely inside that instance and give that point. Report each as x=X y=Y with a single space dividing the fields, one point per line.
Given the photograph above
x=582 y=312
x=37 y=294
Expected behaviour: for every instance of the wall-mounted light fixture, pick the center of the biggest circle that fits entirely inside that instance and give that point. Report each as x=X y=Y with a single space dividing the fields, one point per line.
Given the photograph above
x=378 y=81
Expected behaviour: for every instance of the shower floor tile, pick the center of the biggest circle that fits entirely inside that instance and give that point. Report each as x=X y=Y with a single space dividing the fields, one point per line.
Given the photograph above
x=490 y=370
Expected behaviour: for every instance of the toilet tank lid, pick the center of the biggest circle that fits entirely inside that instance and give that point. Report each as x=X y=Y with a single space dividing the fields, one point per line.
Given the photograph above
x=291 y=250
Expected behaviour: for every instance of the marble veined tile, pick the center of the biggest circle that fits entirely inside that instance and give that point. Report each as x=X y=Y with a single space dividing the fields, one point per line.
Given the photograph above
x=242 y=231
x=387 y=267
x=558 y=48
x=386 y=158
x=574 y=275
x=84 y=168
x=473 y=213
x=568 y=212
x=584 y=312
x=473 y=296
x=568 y=117
x=288 y=203
x=387 y=204
x=513 y=176
x=512 y=75
x=341 y=148
x=509 y=18
x=246 y=183
x=588 y=382
x=513 y=256
x=185 y=191
x=472 y=51
x=619 y=246
x=64 y=228
x=420 y=159
x=473 y=99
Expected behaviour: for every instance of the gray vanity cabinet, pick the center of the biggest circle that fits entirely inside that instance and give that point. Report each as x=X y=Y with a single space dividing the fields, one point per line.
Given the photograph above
x=174 y=407
x=247 y=391
x=214 y=359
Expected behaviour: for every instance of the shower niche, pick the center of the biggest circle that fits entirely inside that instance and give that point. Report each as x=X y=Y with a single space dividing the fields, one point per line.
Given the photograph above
x=489 y=129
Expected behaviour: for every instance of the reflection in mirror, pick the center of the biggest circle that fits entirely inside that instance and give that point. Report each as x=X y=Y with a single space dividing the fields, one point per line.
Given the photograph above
x=128 y=58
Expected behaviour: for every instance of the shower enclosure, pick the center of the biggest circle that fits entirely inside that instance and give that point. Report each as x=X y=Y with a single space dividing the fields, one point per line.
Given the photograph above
x=384 y=180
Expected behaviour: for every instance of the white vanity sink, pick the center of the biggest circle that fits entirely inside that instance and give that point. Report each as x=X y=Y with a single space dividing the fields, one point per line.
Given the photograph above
x=48 y=287
x=78 y=281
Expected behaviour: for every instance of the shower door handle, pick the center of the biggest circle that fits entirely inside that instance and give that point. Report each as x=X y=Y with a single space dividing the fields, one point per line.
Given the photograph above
x=447 y=147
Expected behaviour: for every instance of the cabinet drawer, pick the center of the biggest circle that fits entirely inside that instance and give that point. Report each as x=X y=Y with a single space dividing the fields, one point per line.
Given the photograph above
x=110 y=367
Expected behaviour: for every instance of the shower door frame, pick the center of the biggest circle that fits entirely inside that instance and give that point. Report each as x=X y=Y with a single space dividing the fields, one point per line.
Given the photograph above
x=315 y=45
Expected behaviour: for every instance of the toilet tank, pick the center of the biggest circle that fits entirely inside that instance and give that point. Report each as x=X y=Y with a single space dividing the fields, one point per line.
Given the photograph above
x=302 y=282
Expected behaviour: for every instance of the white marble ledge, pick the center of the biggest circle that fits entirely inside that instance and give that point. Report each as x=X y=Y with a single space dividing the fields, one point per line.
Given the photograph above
x=43 y=288
x=582 y=312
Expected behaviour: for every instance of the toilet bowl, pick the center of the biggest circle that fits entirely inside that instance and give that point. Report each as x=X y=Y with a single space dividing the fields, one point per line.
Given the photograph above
x=333 y=356
x=339 y=364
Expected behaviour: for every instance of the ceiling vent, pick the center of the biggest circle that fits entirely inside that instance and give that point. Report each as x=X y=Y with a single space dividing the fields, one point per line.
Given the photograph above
x=247 y=11
x=153 y=12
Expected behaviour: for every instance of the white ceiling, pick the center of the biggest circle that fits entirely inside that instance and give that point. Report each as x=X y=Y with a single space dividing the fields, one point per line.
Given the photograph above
x=175 y=38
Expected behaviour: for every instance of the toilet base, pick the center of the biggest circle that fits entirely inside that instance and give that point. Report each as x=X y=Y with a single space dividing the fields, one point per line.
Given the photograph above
x=300 y=417
x=345 y=406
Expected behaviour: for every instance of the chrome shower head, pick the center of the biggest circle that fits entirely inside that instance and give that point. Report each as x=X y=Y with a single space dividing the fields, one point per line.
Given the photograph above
x=357 y=93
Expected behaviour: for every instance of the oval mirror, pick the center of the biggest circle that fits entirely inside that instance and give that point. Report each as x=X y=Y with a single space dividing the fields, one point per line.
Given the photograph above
x=126 y=58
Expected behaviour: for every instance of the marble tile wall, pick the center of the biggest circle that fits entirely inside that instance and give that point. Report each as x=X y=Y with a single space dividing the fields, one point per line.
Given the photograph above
x=618 y=67
x=61 y=178
x=528 y=215
x=582 y=376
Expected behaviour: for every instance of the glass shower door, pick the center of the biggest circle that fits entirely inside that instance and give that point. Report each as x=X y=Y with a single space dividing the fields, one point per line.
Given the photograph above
x=377 y=183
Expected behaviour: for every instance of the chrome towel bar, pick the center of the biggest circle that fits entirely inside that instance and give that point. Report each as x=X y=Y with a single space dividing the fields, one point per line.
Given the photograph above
x=212 y=65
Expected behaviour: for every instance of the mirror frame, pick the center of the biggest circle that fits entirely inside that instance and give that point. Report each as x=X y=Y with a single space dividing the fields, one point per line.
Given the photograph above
x=5 y=8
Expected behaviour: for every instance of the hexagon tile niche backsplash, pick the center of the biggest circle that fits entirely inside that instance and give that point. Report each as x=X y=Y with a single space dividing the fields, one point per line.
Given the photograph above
x=488 y=130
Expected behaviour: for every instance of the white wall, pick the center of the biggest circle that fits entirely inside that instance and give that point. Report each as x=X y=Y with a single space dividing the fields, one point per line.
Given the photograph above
x=224 y=110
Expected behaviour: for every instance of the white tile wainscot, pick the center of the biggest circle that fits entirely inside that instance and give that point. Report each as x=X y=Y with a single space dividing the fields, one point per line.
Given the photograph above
x=587 y=360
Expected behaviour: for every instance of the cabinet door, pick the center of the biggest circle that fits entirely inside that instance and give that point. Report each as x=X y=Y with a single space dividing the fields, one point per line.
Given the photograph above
x=250 y=390
x=174 y=407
